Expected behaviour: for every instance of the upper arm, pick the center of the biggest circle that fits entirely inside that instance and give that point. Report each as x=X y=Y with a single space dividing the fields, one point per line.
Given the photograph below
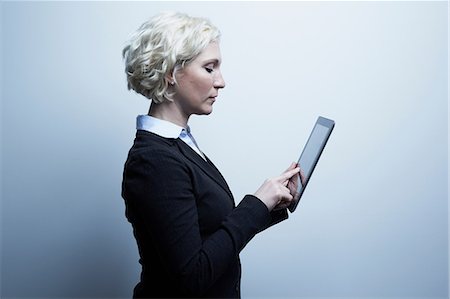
x=159 y=188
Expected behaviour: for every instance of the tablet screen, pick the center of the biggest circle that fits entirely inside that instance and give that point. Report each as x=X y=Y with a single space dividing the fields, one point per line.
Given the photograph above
x=311 y=154
x=313 y=147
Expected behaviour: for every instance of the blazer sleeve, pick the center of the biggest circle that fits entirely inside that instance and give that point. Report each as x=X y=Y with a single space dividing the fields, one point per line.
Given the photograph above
x=277 y=217
x=159 y=187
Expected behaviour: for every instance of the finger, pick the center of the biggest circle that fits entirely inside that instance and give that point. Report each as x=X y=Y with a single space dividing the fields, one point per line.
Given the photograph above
x=282 y=205
x=292 y=166
x=285 y=194
x=292 y=181
x=287 y=175
x=302 y=177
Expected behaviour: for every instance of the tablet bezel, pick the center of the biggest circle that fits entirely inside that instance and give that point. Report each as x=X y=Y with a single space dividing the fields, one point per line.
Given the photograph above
x=329 y=124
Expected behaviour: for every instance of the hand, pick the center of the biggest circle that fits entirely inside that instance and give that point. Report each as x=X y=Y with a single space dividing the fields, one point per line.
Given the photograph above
x=292 y=185
x=275 y=191
x=295 y=180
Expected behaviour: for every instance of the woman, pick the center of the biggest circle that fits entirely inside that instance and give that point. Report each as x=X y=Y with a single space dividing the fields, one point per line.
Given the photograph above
x=188 y=230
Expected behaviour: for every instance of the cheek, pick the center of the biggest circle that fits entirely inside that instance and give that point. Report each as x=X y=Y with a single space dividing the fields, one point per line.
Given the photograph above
x=196 y=85
x=203 y=84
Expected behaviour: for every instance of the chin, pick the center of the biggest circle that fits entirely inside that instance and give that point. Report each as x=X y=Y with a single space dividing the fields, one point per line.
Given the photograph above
x=203 y=112
x=206 y=110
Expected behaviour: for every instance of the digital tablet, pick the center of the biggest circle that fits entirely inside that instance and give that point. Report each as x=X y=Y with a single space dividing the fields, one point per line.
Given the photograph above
x=311 y=154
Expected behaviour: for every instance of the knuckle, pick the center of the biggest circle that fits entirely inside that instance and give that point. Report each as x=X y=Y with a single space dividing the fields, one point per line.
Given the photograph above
x=279 y=194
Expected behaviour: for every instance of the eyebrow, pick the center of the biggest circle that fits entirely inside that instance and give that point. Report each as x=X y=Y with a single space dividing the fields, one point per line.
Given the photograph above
x=213 y=60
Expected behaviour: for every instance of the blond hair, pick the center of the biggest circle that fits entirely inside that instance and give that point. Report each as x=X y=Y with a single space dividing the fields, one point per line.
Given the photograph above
x=160 y=46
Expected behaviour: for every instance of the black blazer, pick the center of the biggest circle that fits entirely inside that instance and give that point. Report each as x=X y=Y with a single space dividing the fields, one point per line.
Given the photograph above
x=188 y=231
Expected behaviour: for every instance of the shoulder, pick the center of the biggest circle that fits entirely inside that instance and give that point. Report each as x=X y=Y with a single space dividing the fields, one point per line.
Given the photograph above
x=150 y=141
x=150 y=149
x=154 y=164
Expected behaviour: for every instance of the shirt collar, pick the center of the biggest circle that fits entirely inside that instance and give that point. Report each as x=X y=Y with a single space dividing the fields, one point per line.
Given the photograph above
x=158 y=126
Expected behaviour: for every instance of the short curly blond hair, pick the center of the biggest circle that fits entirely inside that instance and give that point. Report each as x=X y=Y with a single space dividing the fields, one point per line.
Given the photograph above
x=159 y=47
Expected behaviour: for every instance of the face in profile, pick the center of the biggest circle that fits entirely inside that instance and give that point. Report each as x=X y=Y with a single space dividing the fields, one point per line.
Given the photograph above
x=198 y=83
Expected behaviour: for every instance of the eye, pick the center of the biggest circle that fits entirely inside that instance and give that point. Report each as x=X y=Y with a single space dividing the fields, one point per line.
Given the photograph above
x=209 y=69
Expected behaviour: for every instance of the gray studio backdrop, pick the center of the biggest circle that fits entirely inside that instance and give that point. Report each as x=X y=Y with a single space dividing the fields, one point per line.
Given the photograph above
x=374 y=219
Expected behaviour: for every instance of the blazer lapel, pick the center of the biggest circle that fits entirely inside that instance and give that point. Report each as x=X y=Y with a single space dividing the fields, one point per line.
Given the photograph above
x=207 y=166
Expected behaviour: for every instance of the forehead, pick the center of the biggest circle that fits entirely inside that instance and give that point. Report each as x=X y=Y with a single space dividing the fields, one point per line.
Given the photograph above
x=210 y=54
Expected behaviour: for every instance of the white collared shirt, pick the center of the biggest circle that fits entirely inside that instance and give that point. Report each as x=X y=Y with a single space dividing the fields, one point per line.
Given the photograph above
x=167 y=129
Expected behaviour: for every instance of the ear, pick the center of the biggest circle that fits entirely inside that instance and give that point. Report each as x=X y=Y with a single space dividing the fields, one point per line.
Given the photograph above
x=170 y=80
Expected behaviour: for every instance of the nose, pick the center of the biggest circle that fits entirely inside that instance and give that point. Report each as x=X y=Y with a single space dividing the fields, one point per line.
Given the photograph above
x=219 y=82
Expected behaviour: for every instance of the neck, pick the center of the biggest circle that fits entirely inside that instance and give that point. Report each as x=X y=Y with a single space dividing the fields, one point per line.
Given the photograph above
x=169 y=111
